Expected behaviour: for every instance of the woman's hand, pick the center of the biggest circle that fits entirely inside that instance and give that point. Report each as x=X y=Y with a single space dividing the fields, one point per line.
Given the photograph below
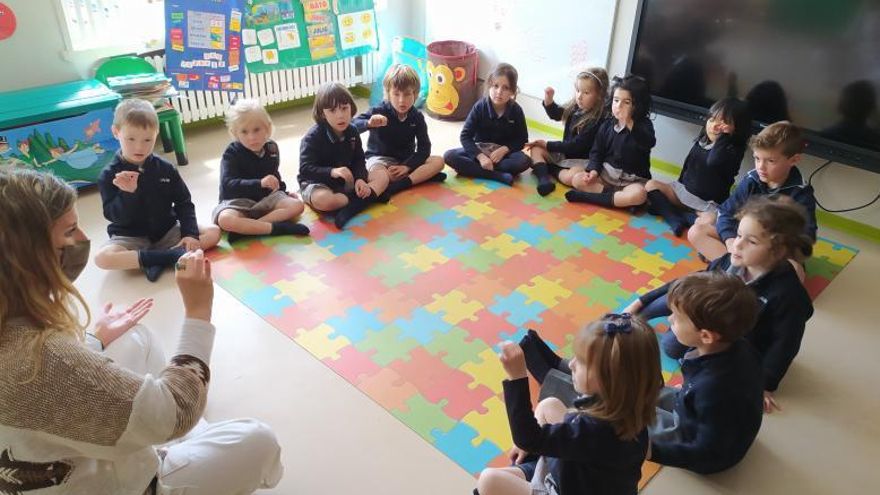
x=193 y=274
x=113 y=324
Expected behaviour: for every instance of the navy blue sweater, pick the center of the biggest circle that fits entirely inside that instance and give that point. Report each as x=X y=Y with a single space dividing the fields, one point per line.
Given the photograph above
x=719 y=406
x=752 y=185
x=483 y=125
x=627 y=150
x=241 y=171
x=398 y=138
x=574 y=144
x=708 y=174
x=785 y=307
x=321 y=150
x=584 y=454
x=159 y=202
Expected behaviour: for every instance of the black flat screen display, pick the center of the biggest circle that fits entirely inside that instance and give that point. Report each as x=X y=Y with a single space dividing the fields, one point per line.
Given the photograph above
x=814 y=62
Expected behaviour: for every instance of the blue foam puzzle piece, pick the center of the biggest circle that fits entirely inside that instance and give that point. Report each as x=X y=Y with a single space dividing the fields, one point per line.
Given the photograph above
x=519 y=313
x=578 y=234
x=450 y=220
x=451 y=245
x=456 y=444
x=354 y=324
x=652 y=225
x=529 y=233
x=340 y=243
x=669 y=251
x=265 y=301
x=422 y=326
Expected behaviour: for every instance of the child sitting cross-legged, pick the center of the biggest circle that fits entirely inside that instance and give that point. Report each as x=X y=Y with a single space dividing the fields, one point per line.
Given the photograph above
x=152 y=216
x=709 y=423
x=399 y=139
x=253 y=199
x=597 y=446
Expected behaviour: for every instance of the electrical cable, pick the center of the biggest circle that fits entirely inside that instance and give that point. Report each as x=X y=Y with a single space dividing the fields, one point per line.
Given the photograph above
x=810 y=182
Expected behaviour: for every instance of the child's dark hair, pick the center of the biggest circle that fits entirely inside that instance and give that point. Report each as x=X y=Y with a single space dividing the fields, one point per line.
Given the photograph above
x=622 y=350
x=716 y=301
x=639 y=91
x=785 y=221
x=504 y=70
x=782 y=134
x=331 y=95
x=732 y=110
x=599 y=78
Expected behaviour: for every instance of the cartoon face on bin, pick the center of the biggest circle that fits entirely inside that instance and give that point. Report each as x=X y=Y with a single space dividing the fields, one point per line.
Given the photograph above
x=442 y=95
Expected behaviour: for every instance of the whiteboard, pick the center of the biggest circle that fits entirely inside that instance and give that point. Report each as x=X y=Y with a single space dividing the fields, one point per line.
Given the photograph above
x=548 y=41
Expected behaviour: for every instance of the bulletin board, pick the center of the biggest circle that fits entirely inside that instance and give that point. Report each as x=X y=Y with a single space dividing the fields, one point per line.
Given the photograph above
x=285 y=34
x=203 y=44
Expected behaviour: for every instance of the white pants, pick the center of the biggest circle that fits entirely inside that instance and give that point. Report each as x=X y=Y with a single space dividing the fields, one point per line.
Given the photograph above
x=229 y=457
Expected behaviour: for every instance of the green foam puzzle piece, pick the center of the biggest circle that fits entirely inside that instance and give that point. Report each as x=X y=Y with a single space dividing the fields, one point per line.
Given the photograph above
x=424 y=416
x=480 y=259
x=457 y=347
x=388 y=344
x=608 y=294
x=612 y=247
x=559 y=247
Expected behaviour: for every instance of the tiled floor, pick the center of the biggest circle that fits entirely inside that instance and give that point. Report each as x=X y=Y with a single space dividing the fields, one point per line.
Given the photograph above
x=336 y=440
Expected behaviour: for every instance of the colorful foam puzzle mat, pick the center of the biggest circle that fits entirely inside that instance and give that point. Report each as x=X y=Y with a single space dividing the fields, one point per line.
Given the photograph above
x=411 y=300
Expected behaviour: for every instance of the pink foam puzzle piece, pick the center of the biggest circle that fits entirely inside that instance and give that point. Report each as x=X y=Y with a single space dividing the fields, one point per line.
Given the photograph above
x=437 y=381
x=387 y=388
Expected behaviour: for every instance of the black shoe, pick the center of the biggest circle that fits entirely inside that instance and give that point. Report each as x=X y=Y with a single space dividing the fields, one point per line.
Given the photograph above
x=154 y=272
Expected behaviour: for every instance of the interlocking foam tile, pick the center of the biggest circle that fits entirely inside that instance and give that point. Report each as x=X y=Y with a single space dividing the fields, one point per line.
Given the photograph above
x=410 y=302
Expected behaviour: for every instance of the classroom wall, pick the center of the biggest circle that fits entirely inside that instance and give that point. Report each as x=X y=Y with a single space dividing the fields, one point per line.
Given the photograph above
x=36 y=54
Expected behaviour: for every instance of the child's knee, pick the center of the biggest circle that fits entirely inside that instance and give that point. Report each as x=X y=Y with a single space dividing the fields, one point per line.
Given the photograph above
x=225 y=219
x=550 y=410
x=639 y=196
x=103 y=259
x=209 y=236
x=652 y=185
x=328 y=201
x=435 y=164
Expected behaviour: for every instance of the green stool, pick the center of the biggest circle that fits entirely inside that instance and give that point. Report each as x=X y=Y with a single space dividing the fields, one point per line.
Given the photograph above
x=170 y=124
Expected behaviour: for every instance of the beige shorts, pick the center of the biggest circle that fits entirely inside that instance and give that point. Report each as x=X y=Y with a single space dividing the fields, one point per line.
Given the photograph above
x=249 y=207
x=558 y=159
x=168 y=241
x=309 y=189
x=615 y=179
x=381 y=161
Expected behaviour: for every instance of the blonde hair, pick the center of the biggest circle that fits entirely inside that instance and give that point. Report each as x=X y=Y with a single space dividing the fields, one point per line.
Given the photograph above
x=626 y=360
x=599 y=78
x=400 y=77
x=246 y=110
x=32 y=284
x=782 y=134
x=135 y=112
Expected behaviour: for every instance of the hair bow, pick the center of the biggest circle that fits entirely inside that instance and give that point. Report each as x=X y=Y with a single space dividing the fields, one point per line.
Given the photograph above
x=617 y=323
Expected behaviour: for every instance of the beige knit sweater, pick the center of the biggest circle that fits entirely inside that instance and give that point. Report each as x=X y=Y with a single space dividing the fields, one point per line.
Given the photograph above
x=85 y=425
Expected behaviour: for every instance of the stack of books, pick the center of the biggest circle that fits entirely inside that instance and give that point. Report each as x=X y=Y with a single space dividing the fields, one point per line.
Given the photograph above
x=154 y=87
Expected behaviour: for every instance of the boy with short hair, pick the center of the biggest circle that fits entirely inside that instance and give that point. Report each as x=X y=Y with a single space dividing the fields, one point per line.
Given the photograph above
x=152 y=218
x=709 y=423
x=395 y=127
x=776 y=150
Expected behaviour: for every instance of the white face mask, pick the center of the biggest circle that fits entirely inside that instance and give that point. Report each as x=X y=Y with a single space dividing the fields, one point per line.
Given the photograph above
x=75 y=258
